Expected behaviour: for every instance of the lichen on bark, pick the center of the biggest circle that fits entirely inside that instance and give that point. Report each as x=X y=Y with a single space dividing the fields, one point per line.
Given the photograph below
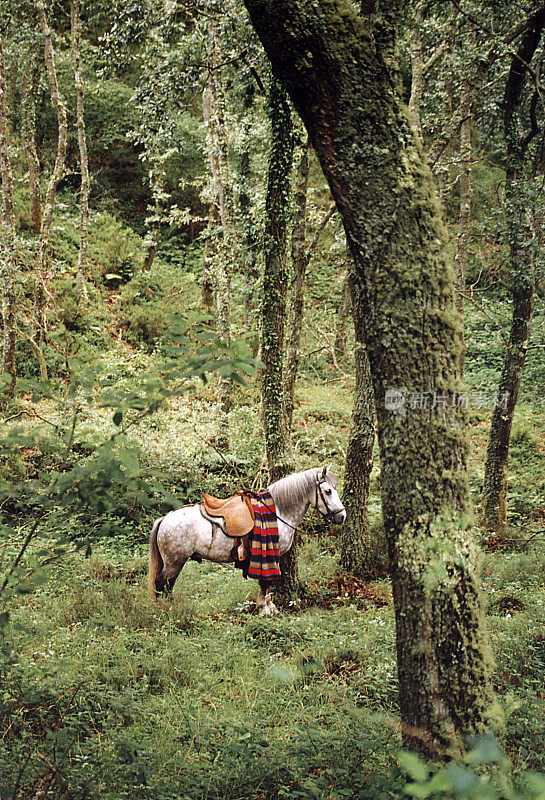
x=340 y=71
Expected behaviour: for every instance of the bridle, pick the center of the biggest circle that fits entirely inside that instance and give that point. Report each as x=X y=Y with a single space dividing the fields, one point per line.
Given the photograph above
x=329 y=515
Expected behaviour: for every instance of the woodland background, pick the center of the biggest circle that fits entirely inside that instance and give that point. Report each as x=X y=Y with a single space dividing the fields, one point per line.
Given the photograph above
x=174 y=278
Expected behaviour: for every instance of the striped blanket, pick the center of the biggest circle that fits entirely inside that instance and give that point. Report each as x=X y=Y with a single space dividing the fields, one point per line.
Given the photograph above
x=264 y=553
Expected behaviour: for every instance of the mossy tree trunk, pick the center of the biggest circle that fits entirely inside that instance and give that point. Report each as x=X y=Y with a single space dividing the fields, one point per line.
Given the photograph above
x=299 y=263
x=343 y=81
x=250 y=228
x=341 y=323
x=208 y=255
x=360 y=550
x=81 y=286
x=519 y=231
x=218 y=154
x=7 y=243
x=28 y=137
x=275 y=282
x=275 y=286
x=39 y=325
x=301 y=260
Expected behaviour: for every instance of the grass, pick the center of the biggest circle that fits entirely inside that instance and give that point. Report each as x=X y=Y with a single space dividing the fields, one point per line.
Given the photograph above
x=107 y=695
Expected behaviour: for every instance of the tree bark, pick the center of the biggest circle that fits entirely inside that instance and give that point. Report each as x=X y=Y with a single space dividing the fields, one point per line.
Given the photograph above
x=299 y=262
x=297 y=306
x=39 y=325
x=218 y=153
x=7 y=244
x=464 y=224
x=341 y=323
x=360 y=550
x=275 y=284
x=75 y=20
x=208 y=256
x=28 y=136
x=344 y=82
x=494 y=502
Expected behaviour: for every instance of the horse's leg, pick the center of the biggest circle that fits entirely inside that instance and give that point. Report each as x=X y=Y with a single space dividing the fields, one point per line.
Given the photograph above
x=164 y=583
x=264 y=601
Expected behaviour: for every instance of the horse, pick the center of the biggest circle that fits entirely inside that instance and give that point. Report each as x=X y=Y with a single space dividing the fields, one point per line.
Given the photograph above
x=186 y=534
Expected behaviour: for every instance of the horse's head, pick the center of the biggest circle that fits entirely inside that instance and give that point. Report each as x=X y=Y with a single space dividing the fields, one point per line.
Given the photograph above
x=326 y=499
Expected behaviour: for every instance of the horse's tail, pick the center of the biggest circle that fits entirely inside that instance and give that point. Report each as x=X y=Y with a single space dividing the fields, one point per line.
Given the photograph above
x=155 y=559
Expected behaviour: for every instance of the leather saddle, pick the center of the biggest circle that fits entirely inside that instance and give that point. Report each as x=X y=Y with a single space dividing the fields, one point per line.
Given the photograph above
x=237 y=512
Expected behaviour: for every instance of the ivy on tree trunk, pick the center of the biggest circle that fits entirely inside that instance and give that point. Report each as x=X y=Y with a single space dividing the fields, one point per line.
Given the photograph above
x=275 y=286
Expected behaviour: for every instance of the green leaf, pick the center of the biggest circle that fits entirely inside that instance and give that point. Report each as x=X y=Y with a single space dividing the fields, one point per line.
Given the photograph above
x=534 y=782
x=413 y=765
x=463 y=780
x=486 y=750
x=118 y=418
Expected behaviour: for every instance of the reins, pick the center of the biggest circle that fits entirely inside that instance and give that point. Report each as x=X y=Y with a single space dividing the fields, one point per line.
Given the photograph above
x=328 y=517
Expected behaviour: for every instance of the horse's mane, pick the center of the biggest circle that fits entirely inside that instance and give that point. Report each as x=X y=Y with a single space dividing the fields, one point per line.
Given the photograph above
x=297 y=488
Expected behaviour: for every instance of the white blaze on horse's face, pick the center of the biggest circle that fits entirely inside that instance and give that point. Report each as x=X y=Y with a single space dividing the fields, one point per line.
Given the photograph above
x=327 y=500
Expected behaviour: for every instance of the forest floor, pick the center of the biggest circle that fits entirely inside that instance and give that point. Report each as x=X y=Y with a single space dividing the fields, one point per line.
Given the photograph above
x=200 y=698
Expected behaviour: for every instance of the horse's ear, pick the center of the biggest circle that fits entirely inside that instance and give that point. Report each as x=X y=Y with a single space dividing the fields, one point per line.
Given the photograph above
x=324 y=473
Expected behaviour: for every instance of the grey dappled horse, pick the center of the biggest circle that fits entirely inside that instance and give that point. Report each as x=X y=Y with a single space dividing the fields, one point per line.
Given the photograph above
x=185 y=533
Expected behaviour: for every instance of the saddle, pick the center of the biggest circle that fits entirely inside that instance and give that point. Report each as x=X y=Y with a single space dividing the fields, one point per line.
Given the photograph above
x=236 y=514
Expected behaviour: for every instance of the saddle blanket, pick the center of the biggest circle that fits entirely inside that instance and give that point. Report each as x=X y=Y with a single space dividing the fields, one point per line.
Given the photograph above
x=264 y=552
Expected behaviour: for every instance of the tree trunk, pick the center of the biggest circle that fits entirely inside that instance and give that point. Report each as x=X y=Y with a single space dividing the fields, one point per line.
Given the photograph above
x=250 y=230
x=344 y=83
x=75 y=20
x=360 y=551
x=28 y=136
x=7 y=243
x=295 y=324
x=218 y=154
x=208 y=255
x=464 y=225
x=494 y=503
x=299 y=262
x=39 y=326
x=417 y=71
x=275 y=284
x=341 y=323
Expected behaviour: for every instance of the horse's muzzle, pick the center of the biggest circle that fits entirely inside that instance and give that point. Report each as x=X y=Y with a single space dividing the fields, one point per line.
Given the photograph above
x=339 y=517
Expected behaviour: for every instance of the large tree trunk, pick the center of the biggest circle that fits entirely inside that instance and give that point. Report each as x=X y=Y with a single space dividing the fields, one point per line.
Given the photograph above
x=360 y=550
x=7 y=243
x=344 y=83
x=494 y=503
x=81 y=287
